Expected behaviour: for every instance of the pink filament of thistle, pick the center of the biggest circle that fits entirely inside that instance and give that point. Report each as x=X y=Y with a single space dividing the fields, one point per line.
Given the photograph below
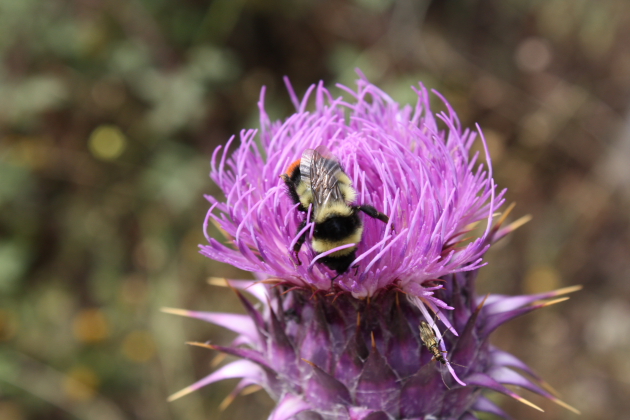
x=299 y=234
x=324 y=254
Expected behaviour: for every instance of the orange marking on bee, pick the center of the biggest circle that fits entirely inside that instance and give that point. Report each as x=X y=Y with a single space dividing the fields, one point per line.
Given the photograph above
x=292 y=167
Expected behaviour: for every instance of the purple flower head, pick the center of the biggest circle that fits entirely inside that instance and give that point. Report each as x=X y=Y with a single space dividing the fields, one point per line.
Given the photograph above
x=399 y=162
x=336 y=346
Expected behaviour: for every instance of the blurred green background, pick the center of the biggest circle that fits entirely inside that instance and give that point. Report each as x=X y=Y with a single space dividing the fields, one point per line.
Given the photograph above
x=109 y=112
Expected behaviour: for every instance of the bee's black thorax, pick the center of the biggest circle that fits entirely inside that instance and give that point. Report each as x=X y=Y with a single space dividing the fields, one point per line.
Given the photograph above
x=335 y=228
x=295 y=176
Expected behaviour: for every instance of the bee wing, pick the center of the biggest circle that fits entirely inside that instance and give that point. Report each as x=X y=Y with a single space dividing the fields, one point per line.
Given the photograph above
x=320 y=170
x=325 y=152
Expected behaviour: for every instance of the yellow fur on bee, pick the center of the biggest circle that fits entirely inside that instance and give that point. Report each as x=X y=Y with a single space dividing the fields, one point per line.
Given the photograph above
x=349 y=193
x=333 y=209
x=305 y=194
x=320 y=245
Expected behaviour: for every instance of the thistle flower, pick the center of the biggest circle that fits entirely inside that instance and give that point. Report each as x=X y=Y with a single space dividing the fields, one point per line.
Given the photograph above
x=348 y=346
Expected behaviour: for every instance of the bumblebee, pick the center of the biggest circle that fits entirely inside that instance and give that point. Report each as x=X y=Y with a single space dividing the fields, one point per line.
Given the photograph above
x=317 y=179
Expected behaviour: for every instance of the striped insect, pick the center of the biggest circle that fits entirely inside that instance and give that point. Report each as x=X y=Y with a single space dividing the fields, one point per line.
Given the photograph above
x=431 y=342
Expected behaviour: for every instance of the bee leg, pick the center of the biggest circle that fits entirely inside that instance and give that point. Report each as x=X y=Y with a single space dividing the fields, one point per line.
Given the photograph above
x=292 y=191
x=332 y=281
x=373 y=213
x=300 y=241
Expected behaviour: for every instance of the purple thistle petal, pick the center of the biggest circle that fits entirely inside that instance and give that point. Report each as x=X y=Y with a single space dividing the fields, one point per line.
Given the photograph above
x=507 y=376
x=485 y=381
x=255 y=316
x=501 y=303
x=243 y=353
x=454 y=375
x=241 y=324
x=502 y=358
x=298 y=235
x=495 y=320
x=254 y=288
x=238 y=369
x=292 y=95
x=325 y=254
x=289 y=406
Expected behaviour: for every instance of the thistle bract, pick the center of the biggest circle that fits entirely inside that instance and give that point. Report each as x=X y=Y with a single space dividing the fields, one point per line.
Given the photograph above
x=328 y=346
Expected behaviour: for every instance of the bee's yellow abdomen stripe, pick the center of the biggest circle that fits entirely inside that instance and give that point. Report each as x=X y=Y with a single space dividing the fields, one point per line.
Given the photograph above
x=321 y=245
x=332 y=210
